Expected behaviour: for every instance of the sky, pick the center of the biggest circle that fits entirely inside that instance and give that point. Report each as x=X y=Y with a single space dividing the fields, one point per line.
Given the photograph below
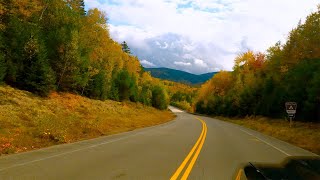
x=200 y=36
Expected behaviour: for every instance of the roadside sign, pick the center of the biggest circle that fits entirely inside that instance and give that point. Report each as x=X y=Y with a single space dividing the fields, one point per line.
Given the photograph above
x=291 y=115
x=291 y=107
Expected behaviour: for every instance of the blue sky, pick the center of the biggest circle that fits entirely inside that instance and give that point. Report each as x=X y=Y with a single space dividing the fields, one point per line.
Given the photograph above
x=199 y=36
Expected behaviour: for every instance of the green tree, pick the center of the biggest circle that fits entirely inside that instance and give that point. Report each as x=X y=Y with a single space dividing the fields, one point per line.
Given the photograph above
x=302 y=86
x=3 y=68
x=3 y=65
x=311 y=106
x=124 y=87
x=124 y=83
x=36 y=75
x=114 y=91
x=16 y=35
x=303 y=41
x=201 y=107
x=97 y=87
x=133 y=89
x=125 y=47
x=145 y=95
x=78 y=6
x=62 y=27
x=159 y=98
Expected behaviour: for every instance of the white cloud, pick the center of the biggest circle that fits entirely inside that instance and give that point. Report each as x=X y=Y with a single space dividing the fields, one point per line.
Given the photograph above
x=146 y=63
x=221 y=28
x=216 y=69
x=180 y=63
x=188 y=56
x=130 y=34
x=200 y=63
x=188 y=47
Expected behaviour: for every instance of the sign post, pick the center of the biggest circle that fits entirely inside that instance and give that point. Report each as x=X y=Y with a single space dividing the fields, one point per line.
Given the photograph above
x=291 y=108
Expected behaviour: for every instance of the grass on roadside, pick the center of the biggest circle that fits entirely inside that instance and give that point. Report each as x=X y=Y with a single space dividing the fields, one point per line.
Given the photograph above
x=302 y=134
x=30 y=122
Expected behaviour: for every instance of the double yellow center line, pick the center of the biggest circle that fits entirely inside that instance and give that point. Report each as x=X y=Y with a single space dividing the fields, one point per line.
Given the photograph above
x=194 y=153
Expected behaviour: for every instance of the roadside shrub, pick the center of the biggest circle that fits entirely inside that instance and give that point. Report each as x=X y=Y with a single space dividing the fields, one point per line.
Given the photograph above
x=159 y=98
x=183 y=105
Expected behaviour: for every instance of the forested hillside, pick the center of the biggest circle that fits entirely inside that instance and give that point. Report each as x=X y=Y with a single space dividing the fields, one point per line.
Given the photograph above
x=181 y=95
x=260 y=84
x=180 y=76
x=56 y=45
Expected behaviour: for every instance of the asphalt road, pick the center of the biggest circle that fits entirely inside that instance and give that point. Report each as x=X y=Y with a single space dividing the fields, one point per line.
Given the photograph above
x=190 y=147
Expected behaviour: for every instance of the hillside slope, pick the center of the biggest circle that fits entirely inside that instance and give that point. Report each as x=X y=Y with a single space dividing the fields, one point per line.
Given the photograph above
x=29 y=122
x=179 y=76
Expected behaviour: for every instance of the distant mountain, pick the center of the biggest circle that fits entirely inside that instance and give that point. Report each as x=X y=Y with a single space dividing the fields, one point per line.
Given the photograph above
x=179 y=76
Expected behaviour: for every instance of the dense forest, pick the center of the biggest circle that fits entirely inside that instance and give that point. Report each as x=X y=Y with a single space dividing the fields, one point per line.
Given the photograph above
x=261 y=83
x=55 y=45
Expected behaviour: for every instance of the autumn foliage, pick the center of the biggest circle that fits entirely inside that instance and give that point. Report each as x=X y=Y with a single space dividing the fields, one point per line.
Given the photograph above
x=261 y=83
x=58 y=46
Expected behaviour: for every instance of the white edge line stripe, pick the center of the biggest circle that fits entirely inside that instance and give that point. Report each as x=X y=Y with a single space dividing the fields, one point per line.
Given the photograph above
x=266 y=142
x=89 y=147
x=69 y=152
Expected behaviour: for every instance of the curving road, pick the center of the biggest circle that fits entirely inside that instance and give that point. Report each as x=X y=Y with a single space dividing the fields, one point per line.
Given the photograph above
x=190 y=147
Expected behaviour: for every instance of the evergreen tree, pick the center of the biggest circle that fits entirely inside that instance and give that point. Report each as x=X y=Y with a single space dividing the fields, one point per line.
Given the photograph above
x=133 y=89
x=124 y=83
x=114 y=91
x=125 y=47
x=15 y=37
x=78 y=6
x=3 y=66
x=36 y=75
x=311 y=106
x=81 y=5
x=97 y=87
